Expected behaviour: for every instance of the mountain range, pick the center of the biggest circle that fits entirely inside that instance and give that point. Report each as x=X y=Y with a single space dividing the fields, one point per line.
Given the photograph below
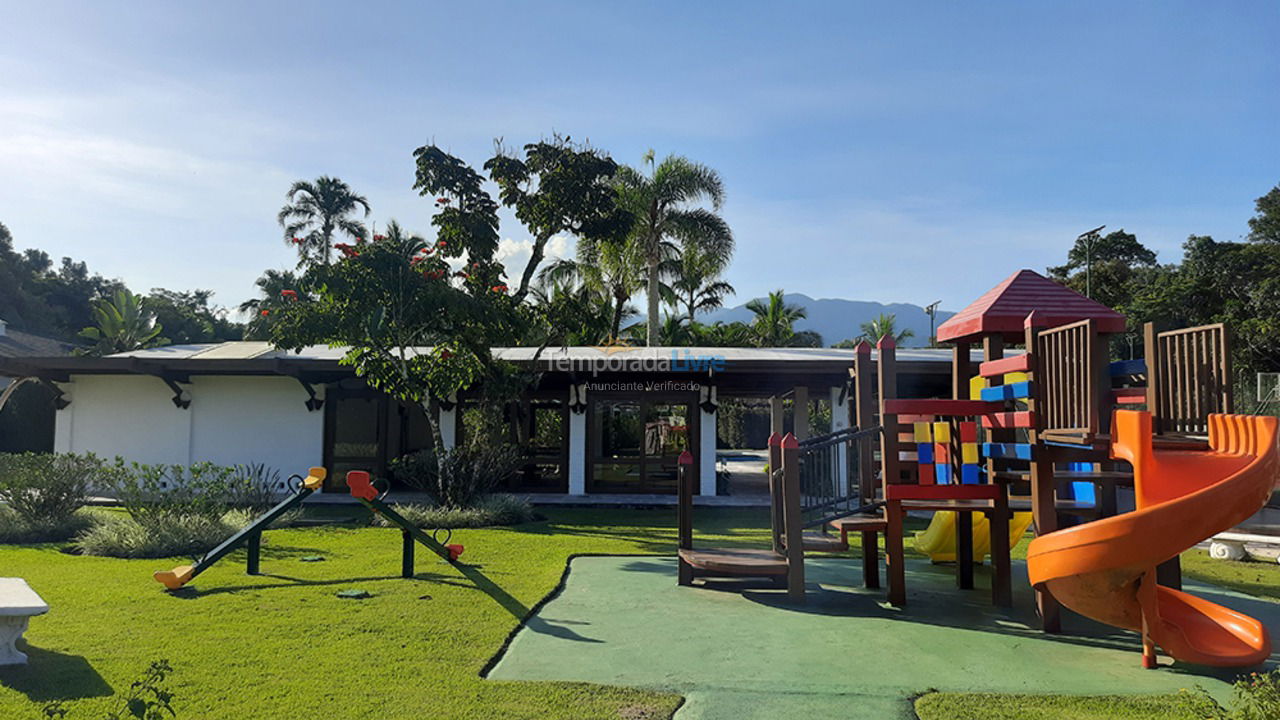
x=837 y=319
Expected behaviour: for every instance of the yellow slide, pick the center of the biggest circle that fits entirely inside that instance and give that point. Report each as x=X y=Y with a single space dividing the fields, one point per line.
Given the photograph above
x=938 y=541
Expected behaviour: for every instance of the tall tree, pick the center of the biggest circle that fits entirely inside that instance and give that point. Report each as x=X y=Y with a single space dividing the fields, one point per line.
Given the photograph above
x=665 y=203
x=694 y=283
x=559 y=187
x=880 y=326
x=276 y=289
x=774 y=323
x=612 y=272
x=1114 y=262
x=316 y=212
x=1265 y=226
x=121 y=324
x=187 y=317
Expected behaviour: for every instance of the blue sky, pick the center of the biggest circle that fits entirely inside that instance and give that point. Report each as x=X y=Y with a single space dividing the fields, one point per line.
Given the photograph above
x=892 y=152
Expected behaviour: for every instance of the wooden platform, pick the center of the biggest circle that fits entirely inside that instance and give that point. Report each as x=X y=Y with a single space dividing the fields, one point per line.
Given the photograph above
x=817 y=542
x=744 y=563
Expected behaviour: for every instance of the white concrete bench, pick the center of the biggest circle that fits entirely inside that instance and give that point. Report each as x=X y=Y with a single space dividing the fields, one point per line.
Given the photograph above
x=18 y=603
x=1230 y=545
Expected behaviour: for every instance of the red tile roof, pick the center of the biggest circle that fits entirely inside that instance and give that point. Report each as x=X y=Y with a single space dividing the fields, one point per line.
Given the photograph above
x=1004 y=308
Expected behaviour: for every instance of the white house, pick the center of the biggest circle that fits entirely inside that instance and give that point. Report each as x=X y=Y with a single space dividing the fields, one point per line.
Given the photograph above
x=600 y=420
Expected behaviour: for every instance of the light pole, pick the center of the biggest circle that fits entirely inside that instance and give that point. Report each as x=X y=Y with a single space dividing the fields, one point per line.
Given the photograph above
x=1089 y=238
x=932 y=311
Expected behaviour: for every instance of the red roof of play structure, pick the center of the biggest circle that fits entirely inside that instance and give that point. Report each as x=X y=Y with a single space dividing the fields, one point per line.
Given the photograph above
x=1004 y=308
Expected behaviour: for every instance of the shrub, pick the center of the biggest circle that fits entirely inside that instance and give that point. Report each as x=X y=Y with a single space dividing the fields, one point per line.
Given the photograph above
x=254 y=486
x=162 y=536
x=458 y=477
x=1256 y=697
x=16 y=529
x=490 y=510
x=46 y=490
x=164 y=495
x=240 y=518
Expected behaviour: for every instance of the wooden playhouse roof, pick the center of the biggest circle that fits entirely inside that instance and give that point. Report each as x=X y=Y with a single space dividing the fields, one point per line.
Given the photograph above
x=1005 y=307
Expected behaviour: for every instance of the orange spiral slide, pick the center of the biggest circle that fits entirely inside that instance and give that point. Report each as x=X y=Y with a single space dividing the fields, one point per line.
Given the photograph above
x=1105 y=570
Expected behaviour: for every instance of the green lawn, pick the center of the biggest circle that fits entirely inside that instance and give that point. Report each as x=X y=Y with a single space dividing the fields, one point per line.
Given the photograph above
x=283 y=645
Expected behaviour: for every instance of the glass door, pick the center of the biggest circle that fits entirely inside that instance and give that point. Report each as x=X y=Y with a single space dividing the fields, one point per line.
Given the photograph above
x=355 y=433
x=635 y=444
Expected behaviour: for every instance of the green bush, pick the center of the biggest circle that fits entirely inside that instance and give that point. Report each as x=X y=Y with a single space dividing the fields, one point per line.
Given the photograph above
x=1256 y=697
x=15 y=529
x=255 y=486
x=161 y=537
x=240 y=518
x=167 y=495
x=458 y=477
x=47 y=488
x=490 y=510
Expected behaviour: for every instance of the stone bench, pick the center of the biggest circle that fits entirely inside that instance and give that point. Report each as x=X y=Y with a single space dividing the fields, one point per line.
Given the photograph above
x=18 y=603
x=1230 y=545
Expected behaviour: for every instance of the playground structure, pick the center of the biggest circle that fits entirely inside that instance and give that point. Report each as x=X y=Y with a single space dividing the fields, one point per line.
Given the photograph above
x=250 y=536
x=362 y=488
x=1028 y=439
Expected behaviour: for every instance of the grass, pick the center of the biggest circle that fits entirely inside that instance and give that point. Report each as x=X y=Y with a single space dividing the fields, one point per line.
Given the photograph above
x=282 y=645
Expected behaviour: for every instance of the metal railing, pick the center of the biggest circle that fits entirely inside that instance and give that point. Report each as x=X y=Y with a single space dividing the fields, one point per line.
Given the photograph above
x=830 y=481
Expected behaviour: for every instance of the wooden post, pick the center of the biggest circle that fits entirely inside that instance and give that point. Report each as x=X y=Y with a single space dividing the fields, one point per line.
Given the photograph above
x=895 y=556
x=1228 y=379
x=253 y=554
x=1155 y=376
x=890 y=466
x=777 y=416
x=964 y=550
x=961 y=370
x=406 y=554
x=800 y=412
x=684 y=515
x=1001 y=578
x=1044 y=512
x=864 y=417
x=776 y=517
x=791 y=520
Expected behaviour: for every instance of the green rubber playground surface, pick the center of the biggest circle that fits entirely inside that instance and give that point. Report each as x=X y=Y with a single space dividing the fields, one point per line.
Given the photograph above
x=738 y=650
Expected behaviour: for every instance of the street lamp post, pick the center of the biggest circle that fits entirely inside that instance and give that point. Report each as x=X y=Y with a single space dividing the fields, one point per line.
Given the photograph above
x=1089 y=238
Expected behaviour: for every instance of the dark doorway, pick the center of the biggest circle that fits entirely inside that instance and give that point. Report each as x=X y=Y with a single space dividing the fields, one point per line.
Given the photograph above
x=634 y=444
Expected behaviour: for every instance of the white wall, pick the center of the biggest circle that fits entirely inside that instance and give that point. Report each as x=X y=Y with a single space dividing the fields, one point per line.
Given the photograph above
x=231 y=420
x=255 y=420
x=706 y=452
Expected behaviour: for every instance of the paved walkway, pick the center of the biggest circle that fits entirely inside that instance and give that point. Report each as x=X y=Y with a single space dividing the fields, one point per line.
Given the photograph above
x=747 y=654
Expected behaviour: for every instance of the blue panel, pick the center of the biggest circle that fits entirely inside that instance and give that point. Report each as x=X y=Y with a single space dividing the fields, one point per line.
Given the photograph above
x=969 y=475
x=943 y=473
x=1128 y=367
x=924 y=453
x=1017 y=451
x=1012 y=391
x=1081 y=491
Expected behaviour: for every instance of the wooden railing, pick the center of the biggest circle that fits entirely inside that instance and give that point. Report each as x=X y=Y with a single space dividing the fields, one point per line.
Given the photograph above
x=1188 y=377
x=1070 y=368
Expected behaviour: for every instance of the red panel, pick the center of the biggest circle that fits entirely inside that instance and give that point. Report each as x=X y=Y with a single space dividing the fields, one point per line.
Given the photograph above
x=968 y=432
x=926 y=474
x=941 y=407
x=1129 y=396
x=1022 y=419
x=994 y=368
x=942 y=492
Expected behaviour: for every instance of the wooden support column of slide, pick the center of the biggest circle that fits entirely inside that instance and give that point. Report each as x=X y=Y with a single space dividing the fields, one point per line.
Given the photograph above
x=1044 y=513
x=864 y=417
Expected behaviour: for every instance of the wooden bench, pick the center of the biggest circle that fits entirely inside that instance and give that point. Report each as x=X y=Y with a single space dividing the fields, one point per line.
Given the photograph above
x=18 y=603
x=1229 y=545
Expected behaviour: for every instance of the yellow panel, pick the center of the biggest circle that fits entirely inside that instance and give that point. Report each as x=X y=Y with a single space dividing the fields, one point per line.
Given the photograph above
x=969 y=453
x=942 y=432
x=976 y=383
x=922 y=433
x=1011 y=378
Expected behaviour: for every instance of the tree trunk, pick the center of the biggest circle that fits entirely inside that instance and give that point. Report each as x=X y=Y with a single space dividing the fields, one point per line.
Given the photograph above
x=619 y=301
x=535 y=259
x=651 y=336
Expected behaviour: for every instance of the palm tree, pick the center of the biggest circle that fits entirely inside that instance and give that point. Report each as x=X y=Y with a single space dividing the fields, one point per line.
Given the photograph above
x=694 y=282
x=722 y=334
x=121 y=324
x=664 y=203
x=883 y=324
x=774 y=322
x=612 y=271
x=276 y=287
x=315 y=212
